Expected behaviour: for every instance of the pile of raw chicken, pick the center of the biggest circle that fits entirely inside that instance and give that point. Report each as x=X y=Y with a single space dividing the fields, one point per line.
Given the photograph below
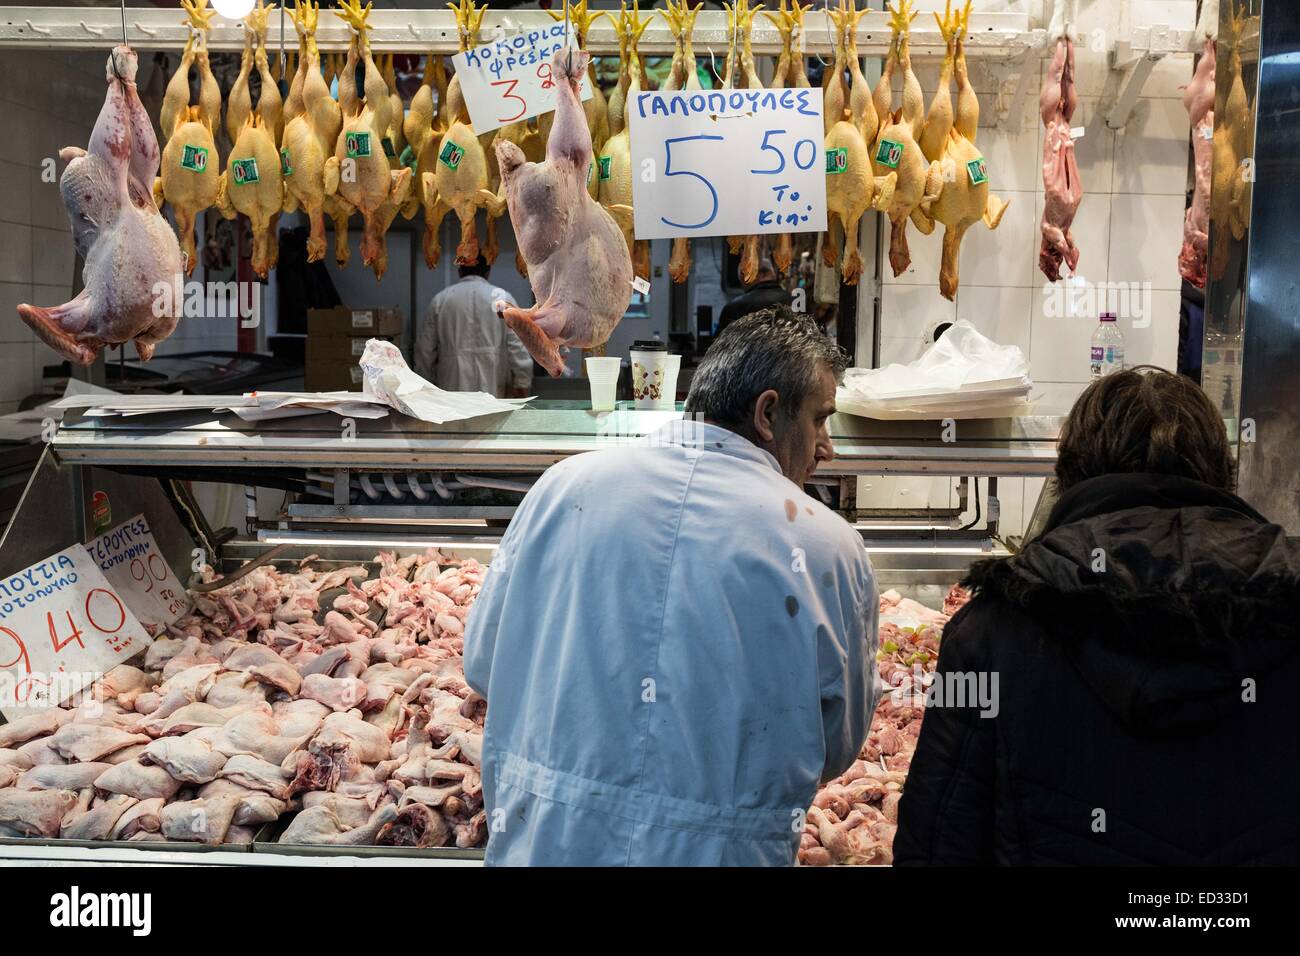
x=335 y=697
x=854 y=817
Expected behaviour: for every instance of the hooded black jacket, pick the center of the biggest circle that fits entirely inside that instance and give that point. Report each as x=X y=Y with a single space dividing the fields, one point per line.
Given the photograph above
x=1145 y=649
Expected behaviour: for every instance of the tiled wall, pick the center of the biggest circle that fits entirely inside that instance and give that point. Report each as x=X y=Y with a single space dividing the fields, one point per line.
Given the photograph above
x=1128 y=229
x=48 y=101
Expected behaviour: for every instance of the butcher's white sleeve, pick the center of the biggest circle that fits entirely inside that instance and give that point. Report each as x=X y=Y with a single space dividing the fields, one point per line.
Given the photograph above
x=426 y=342
x=846 y=664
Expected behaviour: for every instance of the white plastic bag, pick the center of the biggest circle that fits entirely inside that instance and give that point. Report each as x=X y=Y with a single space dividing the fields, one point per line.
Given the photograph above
x=962 y=365
x=389 y=379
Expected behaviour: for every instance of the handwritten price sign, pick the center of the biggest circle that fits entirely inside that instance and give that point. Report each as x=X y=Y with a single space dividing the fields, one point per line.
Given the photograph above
x=61 y=618
x=510 y=79
x=727 y=163
x=131 y=561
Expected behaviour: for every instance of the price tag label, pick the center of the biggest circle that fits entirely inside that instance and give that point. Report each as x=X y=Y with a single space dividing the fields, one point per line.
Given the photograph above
x=62 y=625
x=245 y=171
x=727 y=163
x=510 y=79
x=131 y=560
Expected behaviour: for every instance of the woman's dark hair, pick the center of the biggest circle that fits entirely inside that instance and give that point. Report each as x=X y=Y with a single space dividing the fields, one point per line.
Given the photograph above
x=770 y=348
x=1144 y=419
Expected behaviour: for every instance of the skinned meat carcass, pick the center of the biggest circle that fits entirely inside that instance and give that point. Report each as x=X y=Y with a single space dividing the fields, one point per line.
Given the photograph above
x=129 y=249
x=614 y=166
x=578 y=263
x=369 y=185
x=683 y=75
x=1198 y=98
x=851 y=123
x=190 y=174
x=1063 y=190
x=965 y=198
x=896 y=149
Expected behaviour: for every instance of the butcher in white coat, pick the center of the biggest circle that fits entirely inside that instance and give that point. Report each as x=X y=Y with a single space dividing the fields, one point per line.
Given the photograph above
x=675 y=642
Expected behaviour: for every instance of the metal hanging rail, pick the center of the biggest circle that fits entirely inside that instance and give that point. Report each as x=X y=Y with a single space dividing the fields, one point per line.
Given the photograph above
x=992 y=35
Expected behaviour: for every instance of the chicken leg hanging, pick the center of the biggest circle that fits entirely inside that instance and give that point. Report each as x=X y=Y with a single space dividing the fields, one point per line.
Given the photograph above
x=252 y=183
x=578 y=263
x=310 y=134
x=189 y=176
x=359 y=172
x=614 y=167
x=790 y=71
x=683 y=75
x=130 y=251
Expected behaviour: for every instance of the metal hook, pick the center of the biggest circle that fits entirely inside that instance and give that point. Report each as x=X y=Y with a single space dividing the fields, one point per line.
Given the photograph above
x=414 y=32
x=826 y=11
x=35 y=29
x=713 y=63
x=93 y=31
x=145 y=30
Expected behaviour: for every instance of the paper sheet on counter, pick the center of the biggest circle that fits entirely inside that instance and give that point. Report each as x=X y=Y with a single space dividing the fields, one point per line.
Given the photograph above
x=389 y=379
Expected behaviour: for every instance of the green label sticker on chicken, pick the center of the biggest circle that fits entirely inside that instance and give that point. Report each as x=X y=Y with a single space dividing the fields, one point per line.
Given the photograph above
x=389 y=151
x=195 y=158
x=358 y=145
x=245 y=171
x=979 y=173
x=285 y=168
x=606 y=164
x=451 y=155
x=889 y=153
x=837 y=161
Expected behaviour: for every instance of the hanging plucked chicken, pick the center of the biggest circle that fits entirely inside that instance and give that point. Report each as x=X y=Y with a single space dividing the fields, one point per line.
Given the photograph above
x=852 y=185
x=1233 y=146
x=896 y=148
x=190 y=174
x=965 y=198
x=682 y=75
x=742 y=73
x=614 y=165
x=791 y=73
x=459 y=179
x=596 y=109
x=133 y=262
x=578 y=263
x=252 y=183
x=359 y=173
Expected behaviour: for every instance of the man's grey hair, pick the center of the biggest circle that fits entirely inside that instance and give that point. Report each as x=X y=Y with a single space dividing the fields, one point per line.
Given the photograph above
x=772 y=348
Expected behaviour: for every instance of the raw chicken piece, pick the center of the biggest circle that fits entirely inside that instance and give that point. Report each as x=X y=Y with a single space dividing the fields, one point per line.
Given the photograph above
x=135 y=779
x=1199 y=101
x=1063 y=190
x=578 y=263
x=15 y=759
x=37 y=813
x=368 y=743
x=335 y=693
x=350 y=811
x=70 y=776
x=35 y=725
x=256 y=733
x=90 y=742
x=415 y=825
x=129 y=250
x=266 y=665
x=193 y=716
x=190 y=758
x=854 y=841
x=199 y=821
x=41 y=751
x=253 y=183
x=143 y=817
x=321 y=826
x=98 y=822
x=256 y=774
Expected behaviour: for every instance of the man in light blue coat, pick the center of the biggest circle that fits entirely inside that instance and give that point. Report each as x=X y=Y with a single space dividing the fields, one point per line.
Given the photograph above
x=675 y=642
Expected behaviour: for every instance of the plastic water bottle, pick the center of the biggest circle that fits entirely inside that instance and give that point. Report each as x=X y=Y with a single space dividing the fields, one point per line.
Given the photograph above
x=1107 y=347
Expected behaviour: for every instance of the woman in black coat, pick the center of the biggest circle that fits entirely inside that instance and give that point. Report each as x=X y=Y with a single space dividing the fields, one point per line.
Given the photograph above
x=1143 y=650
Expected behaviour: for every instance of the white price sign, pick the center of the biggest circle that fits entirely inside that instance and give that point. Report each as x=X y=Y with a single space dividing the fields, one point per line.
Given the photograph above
x=130 y=559
x=61 y=626
x=510 y=79
x=727 y=163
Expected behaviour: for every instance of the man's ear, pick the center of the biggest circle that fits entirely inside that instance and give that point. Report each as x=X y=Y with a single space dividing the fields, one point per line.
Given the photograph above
x=765 y=415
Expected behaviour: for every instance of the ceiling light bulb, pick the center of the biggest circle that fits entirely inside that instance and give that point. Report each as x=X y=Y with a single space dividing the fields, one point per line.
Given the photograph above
x=234 y=9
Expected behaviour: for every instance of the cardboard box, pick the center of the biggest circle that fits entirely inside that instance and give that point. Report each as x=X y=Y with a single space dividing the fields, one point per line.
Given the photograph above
x=332 y=362
x=375 y=322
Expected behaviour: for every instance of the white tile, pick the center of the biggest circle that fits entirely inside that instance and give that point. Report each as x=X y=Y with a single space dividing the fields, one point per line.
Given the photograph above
x=54 y=257
x=18 y=143
x=1059 y=345
x=12 y=328
x=1169 y=77
x=1003 y=314
x=1012 y=159
x=1094 y=151
x=908 y=311
x=17 y=372
x=1001 y=257
x=14 y=187
x=899 y=350
x=15 y=252
x=1151 y=150
x=1154 y=341
x=1146 y=234
x=904 y=491
x=1091 y=232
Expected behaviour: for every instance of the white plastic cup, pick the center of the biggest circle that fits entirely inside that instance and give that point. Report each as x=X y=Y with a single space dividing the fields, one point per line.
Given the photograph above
x=668 y=397
x=602 y=373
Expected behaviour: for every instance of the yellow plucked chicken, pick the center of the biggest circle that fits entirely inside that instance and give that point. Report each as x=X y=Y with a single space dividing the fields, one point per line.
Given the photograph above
x=682 y=75
x=614 y=164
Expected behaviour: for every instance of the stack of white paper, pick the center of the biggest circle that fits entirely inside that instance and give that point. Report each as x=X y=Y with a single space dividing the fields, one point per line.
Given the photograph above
x=388 y=379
